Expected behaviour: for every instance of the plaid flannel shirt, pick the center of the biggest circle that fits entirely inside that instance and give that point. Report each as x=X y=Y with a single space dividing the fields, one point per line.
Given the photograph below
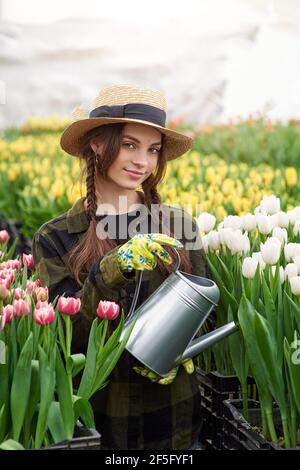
x=131 y=411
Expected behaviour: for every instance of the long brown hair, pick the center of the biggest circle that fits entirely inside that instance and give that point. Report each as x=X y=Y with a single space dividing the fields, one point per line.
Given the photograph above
x=90 y=247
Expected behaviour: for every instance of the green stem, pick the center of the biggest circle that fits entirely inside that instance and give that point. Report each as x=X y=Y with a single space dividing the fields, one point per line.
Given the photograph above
x=286 y=435
x=264 y=423
x=245 y=400
x=68 y=351
x=269 y=416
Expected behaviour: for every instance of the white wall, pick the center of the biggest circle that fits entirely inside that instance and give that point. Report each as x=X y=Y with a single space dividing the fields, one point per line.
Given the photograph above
x=213 y=60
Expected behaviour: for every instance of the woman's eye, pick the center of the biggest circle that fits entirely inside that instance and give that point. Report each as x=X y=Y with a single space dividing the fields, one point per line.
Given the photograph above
x=128 y=143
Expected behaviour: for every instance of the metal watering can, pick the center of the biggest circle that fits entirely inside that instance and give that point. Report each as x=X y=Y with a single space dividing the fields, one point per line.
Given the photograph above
x=168 y=320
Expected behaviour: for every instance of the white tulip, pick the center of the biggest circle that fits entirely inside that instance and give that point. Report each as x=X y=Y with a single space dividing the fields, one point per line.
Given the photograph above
x=280 y=234
x=294 y=215
x=224 y=235
x=257 y=255
x=272 y=240
x=281 y=273
x=233 y=221
x=206 y=222
x=214 y=240
x=296 y=228
x=270 y=252
x=248 y=222
x=283 y=219
x=249 y=267
x=264 y=224
x=274 y=220
x=271 y=204
x=295 y=285
x=291 y=270
x=204 y=240
x=291 y=250
x=296 y=260
x=238 y=242
x=260 y=211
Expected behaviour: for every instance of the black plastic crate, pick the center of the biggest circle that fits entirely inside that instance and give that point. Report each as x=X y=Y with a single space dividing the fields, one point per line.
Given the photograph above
x=239 y=434
x=214 y=389
x=85 y=439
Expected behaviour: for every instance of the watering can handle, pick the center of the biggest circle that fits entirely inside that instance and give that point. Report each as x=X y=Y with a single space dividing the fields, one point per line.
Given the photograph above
x=138 y=286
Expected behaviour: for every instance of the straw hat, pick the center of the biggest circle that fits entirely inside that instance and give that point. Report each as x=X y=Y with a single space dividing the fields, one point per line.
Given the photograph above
x=125 y=103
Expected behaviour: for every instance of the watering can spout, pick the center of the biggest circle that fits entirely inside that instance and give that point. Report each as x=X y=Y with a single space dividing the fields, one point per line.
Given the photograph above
x=198 y=345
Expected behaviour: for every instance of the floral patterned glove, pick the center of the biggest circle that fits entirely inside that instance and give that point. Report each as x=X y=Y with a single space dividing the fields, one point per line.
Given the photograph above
x=188 y=364
x=138 y=253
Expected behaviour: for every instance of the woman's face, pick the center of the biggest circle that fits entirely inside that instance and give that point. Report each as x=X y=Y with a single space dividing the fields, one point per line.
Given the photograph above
x=138 y=156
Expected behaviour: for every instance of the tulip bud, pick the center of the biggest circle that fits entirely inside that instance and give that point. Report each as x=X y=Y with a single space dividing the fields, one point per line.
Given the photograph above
x=68 y=305
x=249 y=222
x=270 y=252
x=291 y=270
x=213 y=240
x=4 y=236
x=291 y=250
x=28 y=260
x=7 y=314
x=296 y=229
x=264 y=224
x=21 y=306
x=4 y=293
x=283 y=219
x=206 y=222
x=108 y=310
x=281 y=234
x=204 y=240
x=43 y=313
x=249 y=267
x=40 y=293
x=271 y=204
x=295 y=285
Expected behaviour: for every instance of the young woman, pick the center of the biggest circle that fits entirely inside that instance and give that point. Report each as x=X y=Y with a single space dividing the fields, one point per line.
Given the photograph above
x=124 y=145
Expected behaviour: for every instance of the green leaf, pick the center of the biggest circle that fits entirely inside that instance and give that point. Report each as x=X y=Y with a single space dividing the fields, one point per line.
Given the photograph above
x=83 y=410
x=270 y=309
x=238 y=353
x=76 y=363
x=11 y=444
x=267 y=345
x=47 y=385
x=55 y=423
x=255 y=287
x=20 y=388
x=64 y=396
x=293 y=363
x=89 y=370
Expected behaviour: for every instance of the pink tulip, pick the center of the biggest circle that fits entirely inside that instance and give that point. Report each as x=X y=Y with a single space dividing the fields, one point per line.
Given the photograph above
x=3 y=236
x=7 y=314
x=4 y=293
x=28 y=260
x=40 y=293
x=68 y=305
x=21 y=306
x=18 y=293
x=43 y=313
x=108 y=310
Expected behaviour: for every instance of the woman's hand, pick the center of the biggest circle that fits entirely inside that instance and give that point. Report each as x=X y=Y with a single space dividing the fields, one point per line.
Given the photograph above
x=140 y=251
x=188 y=364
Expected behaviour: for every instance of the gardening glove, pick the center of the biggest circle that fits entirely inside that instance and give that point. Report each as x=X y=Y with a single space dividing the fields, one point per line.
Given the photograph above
x=138 y=253
x=188 y=364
